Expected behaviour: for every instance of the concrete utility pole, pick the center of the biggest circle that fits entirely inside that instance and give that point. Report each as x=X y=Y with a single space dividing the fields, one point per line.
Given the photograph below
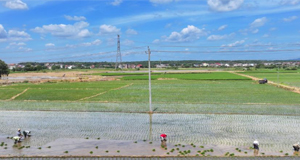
x=119 y=56
x=150 y=95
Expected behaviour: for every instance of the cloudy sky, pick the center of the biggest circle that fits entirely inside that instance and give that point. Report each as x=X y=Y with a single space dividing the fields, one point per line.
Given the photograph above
x=86 y=30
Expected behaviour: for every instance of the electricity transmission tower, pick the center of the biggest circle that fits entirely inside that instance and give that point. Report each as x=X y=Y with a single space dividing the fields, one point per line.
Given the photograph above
x=119 y=56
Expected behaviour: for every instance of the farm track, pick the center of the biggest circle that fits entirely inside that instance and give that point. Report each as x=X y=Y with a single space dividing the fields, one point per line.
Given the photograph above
x=105 y=92
x=12 y=98
x=290 y=88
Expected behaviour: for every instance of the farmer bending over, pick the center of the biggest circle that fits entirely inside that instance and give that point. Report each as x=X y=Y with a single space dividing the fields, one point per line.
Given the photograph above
x=163 y=137
x=296 y=147
x=256 y=144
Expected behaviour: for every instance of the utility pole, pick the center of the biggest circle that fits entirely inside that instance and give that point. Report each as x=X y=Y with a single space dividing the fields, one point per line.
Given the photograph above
x=119 y=56
x=150 y=95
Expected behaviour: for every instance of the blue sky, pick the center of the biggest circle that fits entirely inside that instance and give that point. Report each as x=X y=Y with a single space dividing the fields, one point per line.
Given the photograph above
x=75 y=30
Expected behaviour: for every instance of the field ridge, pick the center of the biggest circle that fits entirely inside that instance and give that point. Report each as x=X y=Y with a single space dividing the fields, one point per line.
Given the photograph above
x=290 y=88
x=105 y=92
x=12 y=98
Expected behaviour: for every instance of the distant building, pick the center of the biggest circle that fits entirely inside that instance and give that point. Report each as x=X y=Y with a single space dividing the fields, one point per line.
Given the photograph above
x=11 y=66
x=161 y=65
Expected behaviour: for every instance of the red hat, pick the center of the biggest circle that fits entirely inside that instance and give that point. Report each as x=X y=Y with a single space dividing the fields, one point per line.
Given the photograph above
x=163 y=135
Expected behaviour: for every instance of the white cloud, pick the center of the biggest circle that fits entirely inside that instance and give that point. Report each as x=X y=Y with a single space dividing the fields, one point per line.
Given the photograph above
x=236 y=43
x=131 y=31
x=219 y=37
x=109 y=29
x=85 y=44
x=17 y=44
x=49 y=45
x=255 y=31
x=222 y=27
x=75 y=18
x=116 y=2
x=84 y=33
x=259 y=22
x=265 y=36
x=15 y=4
x=289 y=2
x=128 y=42
x=94 y=43
x=3 y=33
x=63 y=30
x=224 y=5
x=161 y=1
x=18 y=35
x=190 y=33
x=272 y=29
x=156 y=41
x=168 y=25
x=13 y=35
x=289 y=19
x=25 y=49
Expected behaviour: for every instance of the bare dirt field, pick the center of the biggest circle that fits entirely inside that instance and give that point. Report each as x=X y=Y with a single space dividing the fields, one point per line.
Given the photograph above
x=40 y=77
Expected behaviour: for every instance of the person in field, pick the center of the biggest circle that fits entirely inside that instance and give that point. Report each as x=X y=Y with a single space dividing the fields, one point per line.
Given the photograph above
x=256 y=144
x=19 y=133
x=296 y=147
x=163 y=137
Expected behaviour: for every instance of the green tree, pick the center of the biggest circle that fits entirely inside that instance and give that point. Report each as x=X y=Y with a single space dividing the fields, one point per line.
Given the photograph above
x=3 y=69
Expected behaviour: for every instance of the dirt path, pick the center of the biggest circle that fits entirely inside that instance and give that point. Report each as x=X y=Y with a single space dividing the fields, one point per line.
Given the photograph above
x=12 y=98
x=290 y=88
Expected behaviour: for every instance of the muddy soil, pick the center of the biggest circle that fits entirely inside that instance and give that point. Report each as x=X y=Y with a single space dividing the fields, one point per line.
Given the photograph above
x=95 y=147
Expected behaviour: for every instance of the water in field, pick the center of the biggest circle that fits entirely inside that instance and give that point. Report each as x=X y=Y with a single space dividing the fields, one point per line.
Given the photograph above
x=78 y=133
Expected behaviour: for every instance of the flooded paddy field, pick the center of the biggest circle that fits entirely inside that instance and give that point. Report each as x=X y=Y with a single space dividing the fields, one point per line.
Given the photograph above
x=136 y=134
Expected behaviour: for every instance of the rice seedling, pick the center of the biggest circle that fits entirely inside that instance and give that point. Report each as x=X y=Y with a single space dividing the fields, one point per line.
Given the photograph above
x=96 y=147
x=91 y=152
x=153 y=150
x=118 y=151
x=5 y=147
x=286 y=154
x=66 y=151
x=106 y=151
x=49 y=147
x=40 y=148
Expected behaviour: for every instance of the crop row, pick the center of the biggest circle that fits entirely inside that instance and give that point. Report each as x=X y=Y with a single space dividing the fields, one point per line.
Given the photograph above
x=275 y=133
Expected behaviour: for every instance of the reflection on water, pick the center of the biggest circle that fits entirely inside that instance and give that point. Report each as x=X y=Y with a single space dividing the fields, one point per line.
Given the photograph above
x=255 y=152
